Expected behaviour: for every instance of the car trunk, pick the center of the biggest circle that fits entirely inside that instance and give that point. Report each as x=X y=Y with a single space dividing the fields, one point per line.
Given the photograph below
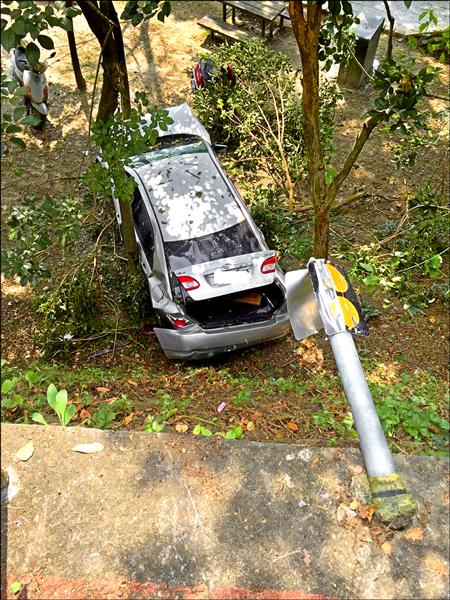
x=232 y=309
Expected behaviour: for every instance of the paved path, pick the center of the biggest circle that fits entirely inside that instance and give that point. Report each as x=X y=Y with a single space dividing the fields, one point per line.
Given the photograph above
x=163 y=515
x=406 y=20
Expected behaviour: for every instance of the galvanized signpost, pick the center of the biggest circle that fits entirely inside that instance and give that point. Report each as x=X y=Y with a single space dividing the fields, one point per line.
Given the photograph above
x=322 y=297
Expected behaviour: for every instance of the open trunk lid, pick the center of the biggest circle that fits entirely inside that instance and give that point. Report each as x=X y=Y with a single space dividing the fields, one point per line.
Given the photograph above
x=228 y=275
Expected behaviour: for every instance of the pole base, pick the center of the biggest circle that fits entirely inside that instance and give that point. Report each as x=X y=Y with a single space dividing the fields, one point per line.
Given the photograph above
x=394 y=505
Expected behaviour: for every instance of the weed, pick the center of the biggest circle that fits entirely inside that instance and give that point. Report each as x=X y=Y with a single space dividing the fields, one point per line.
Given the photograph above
x=58 y=402
x=242 y=396
x=107 y=413
x=200 y=430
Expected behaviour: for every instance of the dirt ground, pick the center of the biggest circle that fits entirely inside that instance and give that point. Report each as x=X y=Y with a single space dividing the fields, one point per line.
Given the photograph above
x=159 y=58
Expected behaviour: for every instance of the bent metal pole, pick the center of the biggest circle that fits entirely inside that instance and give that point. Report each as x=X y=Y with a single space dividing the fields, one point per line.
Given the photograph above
x=337 y=310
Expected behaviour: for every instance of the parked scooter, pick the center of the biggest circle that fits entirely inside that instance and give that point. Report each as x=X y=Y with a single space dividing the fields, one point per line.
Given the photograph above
x=205 y=72
x=36 y=99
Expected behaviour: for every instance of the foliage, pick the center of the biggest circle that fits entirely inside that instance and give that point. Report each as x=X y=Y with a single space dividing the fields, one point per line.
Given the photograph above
x=337 y=38
x=58 y=402
x=413 y=248
x=31 y=19
x=203 y=431
x=36 y=225
x=68 y=313
x=13 y=122
x=418 y=415
x=399 y=91
x=410 y=409
x=437 y=43
x=137 y=11
x=260 y=117
x=279 y=226
x=107 y=413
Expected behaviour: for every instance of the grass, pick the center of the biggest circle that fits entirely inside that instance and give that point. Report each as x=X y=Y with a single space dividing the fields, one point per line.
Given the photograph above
x=412 y=407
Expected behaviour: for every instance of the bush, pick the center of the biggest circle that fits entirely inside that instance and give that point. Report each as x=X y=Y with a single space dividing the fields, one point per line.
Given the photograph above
x=261 y=117
x=68 y=313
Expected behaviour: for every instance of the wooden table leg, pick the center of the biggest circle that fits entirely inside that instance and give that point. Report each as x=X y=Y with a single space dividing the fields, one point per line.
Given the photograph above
x=263 y=27
x=224 y=12
x=233 y=15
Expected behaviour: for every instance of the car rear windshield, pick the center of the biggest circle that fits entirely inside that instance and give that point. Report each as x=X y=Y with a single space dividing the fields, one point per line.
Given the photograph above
x=233 y=241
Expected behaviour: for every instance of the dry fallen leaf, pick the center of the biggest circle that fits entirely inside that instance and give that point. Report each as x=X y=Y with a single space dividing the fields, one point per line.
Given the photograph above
x=102 y=390
x=250 y=426
x=307 y=558
x=354 y=504
x=88 y=448
x=292 y=426
x=432 y=319
x=128 y=418
x=131 y=382
x=84 y=414
x=181 y=427
x=25 y=452
x=387 y=548
x=366 y=511
x=415 y=534
x=356 y=469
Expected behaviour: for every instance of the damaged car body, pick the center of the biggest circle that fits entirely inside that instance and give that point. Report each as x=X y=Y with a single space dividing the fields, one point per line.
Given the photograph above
x=214 y=283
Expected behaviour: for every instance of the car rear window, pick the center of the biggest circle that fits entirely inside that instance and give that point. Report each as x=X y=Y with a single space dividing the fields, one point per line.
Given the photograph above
x=233 y=241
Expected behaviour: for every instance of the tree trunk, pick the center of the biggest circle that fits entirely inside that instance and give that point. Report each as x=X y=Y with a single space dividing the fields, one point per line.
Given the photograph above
x=129 y=239
x=321 y=233
x=100 y=24
x=391 y=30
x=306 y=32
x=81 y=83
x=124 y=87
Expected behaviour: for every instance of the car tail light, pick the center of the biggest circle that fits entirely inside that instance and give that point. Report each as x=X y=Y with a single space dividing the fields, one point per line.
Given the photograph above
x=268 y=265
x=180 y=322
x=189 y=283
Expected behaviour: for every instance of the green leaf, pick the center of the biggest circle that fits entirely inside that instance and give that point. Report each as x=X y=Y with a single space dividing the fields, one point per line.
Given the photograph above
x=60 y=404
x=19 y=27
x=13 y=128
x=15 y=587
x=8 y=385
x=51 y=394
x=407 y=3
x=32 y=53
x=8 y=39
x=38 y=418
x=371 y=280
x=70 y=411
x=46 y=42
x=18 y=142
x=31 y=377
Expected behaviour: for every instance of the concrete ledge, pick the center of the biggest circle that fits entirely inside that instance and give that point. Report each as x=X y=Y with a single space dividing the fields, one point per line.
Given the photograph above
x=161 y=515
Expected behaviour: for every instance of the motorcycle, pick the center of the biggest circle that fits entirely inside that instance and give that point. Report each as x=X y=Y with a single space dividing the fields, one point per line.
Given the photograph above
x=205 y=72
x=34 y=80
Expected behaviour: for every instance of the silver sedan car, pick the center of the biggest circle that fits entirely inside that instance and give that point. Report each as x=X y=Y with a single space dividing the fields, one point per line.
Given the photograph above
x=214 y=283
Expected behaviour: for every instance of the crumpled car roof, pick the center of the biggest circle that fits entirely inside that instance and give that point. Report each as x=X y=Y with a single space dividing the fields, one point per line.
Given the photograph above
x=184 y=122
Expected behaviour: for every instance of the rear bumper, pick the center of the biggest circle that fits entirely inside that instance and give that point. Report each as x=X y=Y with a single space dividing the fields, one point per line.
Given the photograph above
x=201 y=343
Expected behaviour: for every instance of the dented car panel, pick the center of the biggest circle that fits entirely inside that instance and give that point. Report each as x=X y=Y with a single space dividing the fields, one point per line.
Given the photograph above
x=214 y=283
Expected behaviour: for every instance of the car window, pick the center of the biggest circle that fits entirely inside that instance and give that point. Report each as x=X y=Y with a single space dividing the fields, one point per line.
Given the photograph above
x=233 y=241
x=143 y=226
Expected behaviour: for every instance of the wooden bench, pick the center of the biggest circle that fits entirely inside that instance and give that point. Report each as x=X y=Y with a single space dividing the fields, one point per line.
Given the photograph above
x=224 y=29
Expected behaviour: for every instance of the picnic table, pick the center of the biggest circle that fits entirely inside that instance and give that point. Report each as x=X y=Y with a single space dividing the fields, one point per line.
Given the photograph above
x=267 y=10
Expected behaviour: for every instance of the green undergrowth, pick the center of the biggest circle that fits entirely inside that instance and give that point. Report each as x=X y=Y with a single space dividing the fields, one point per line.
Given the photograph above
x=190 y=399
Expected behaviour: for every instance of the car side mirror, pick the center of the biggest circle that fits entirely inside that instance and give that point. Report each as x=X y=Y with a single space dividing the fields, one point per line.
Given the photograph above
x=218 y=148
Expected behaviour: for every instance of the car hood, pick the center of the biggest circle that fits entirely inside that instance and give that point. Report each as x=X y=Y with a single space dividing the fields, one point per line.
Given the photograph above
x=184 y=122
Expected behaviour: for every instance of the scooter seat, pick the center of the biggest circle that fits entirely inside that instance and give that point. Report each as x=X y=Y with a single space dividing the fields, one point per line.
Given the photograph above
x=21 y=59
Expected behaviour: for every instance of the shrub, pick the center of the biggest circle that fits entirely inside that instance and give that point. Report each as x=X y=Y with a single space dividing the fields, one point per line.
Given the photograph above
x=68 y=313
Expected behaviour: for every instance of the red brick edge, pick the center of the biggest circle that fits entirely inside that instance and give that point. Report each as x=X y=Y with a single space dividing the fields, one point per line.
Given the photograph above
x=58 y=588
